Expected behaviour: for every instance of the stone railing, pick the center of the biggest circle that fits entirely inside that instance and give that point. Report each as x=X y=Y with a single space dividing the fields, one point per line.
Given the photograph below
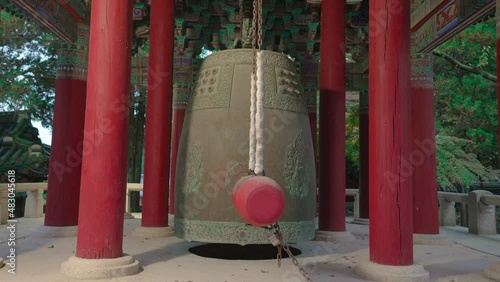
x=131 y=187
x=481 y=210
x=354 y=193
x=35 y=202
x=481 y=205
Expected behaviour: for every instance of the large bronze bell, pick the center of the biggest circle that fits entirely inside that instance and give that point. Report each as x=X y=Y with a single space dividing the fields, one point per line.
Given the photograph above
x=213 y=152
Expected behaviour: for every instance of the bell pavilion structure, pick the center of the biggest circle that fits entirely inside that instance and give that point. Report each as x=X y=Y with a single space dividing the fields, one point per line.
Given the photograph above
x=22 y=149
x=386 y=45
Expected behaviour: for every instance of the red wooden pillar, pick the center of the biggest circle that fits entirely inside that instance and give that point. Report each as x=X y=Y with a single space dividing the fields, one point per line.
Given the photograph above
x=67 y=135
x=332 y=119
x=184 y=69
x=498 y=65
x=390 y=145
x=158 y=116
x=423 y=155
x=493 y=272
x=178 y=121
x=104 y=167
x=391 y=223
x=364 y=185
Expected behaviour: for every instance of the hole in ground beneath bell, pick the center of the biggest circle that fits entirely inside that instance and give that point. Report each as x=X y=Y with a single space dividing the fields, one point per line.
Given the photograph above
x=237 y=252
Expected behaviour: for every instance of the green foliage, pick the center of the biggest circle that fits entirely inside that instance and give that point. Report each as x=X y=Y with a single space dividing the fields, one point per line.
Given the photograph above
x=352 y=137
x=466 y=111
x=474 y=46
x=352 y=143
x=455 y=167
x=466 y=103
x=27 y=68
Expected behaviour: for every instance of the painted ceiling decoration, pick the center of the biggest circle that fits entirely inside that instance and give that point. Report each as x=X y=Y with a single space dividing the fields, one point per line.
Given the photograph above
x=59 y=17
x=435 y=21
x=290 y=26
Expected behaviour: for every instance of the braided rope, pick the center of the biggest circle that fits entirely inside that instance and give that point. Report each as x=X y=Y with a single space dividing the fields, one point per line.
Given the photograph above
x=253 y=110
x=259 y=116
x=256 y=135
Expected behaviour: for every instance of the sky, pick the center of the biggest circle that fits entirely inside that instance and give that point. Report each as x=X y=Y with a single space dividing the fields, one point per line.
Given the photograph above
x=44 y=133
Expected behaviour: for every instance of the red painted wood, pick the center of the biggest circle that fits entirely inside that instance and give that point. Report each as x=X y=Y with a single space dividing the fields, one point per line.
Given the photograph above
x=179 y=114
x=104 y=167
x=259 y=200
x=332 y=118
x=158 y=116
x=391 y=219
x=423 y=160
x=498 y=84
x=63 y=192
x=364 y=185
x=429 y=15
x=464 y=23
x=65 y=4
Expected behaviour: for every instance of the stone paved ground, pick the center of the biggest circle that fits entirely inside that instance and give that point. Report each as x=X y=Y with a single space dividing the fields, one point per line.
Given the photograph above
x=168 y=259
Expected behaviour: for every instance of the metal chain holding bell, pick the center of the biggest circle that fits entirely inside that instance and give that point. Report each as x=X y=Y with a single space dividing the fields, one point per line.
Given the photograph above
x=277 y=241
x=259 y=24
x=254 y=40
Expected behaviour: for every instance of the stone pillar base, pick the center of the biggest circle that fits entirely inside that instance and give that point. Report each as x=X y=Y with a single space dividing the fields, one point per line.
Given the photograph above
x=128 y=215
x=388 y=273
x=361 y=221
x=153 y=232
x=493 y=272
x=334 y=237
x=99 y=268
x=432 y=239
x=44 y=231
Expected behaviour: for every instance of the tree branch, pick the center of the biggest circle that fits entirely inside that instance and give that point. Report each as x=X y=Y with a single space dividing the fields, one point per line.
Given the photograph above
x=469 y=68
